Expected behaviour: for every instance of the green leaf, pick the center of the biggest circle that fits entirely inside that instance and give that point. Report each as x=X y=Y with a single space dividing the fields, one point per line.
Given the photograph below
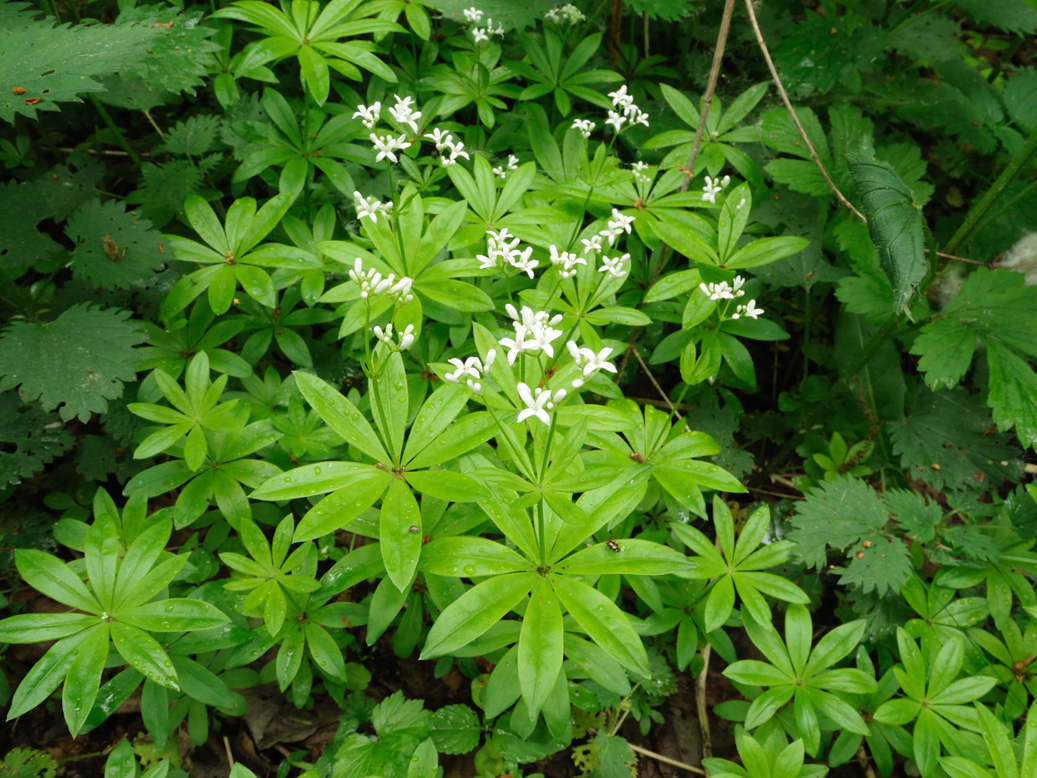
x=837 y=513
x=145 y=654
x=463 y=555
x=341 y=415
x=476 y=611
x=401 y=545
x=540 y=646
x=896 y=226
x=338 y=509
x=84 y=677
x=603 y=622
x=50 y=576
x=113 y=247
x=79 y=361
x=455 y=729
x=388 y=395
x=46 y=674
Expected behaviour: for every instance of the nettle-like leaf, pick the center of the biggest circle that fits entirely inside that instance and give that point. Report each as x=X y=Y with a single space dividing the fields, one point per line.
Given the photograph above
x=79 y=361
x=29 y=439
x=996 y=308
x=947 y=442
x=115 y=248
x=845 y=514
x=193 y=136
x=55 y=64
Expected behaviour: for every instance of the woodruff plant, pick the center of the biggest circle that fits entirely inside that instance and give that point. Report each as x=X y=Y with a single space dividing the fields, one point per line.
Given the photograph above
x=446 y=448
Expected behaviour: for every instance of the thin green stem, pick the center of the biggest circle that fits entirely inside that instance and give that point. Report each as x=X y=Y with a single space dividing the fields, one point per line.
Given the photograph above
x=107 y=117
x=980 y=209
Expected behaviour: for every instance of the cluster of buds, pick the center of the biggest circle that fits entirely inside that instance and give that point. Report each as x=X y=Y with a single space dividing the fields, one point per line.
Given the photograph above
x=565 y=14
x=639 y=172
x=749 y=310
x=723 y=291
x=445 y=142
x=625 y=113
x=387 y=146
x=504 y=245
x=404 y=114
x=503 y=170
x=585 y=126
x=714 y=187
x=617 y=225
x=369 y=207
x=406 y=338
x=534 y=331
x=538 y=402
x=567 y=262
x=472 y=370
x=369 y=114
x=372 y=283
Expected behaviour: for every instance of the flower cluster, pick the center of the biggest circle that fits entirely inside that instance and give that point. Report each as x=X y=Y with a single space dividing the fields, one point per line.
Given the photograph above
x=713 y=188
x=625 y=113
x=615 y=266
x=387 y=145
x=504 y=245
x=538 y=402
x=534 y=331
x=406 y=338
x=472 y=369
x=473 y=15
x=369 y=207
x=639 y=172
x=503 y=170
x=369 y=115
x=589 y=360
x=445 y=141
x=404 y=114
x=723 y=291
x=567 y=261
x=585 y=126
x=567 y=13
x=372 y=283
x=618 y=224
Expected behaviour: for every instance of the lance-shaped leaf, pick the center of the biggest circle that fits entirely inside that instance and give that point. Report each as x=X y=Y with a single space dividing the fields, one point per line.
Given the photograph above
x=895 y=224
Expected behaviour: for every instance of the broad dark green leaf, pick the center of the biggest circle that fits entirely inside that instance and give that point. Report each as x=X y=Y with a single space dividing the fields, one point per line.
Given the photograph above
x=895 y=224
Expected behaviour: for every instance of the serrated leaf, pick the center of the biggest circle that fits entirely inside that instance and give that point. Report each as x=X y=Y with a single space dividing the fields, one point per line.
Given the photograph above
x=455 y=729
x=838 y=514
x=115 y=248
x=894 y=222
x=817 y=53
x=58 y=63
x=29 y=439
x=947 y=442
x=79 y=361
x=193 y=136
x=883 y=566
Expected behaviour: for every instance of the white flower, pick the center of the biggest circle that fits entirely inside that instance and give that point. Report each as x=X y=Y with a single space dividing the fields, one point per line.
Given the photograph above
x=384 y=335
x=616 y=120
x=595 y=362
x=614 y=266
x=407 y=340
x=535 y=406
x=479 y=35
x=592 y=243
x=400 y=291
x=369 y=114
x=639 y=171
x=566 y=13
x=568 y=262
x=369 y=207
x=440 y=137
x=620 y=98
x=404 y=114
x=713 y=188
x=618 y=224
x=749 y=310
x=534 y=331
x=523 y=262
x=721 y=291
x=585 y=126
x=739 y=282
x=457 y=150
x=472 y=14
x=387 y=145
x=635 y=115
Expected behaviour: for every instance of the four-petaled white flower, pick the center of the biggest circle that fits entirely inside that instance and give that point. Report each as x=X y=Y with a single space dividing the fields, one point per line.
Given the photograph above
x=713 y=188
x=594 y=362
x=613 y=266
x=387 y=145
x=616 y=120
x=538 y=404
x=369 y=114
x=479 y=35
x=369 y=207
x=721 y=291
x=592 y=243
x=585 y=126
x=749 y=310
x=404 y=114
x=617 y=225
x=620 y=98
x=472 y=14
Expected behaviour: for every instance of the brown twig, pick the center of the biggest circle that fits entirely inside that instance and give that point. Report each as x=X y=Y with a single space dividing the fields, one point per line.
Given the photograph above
x=795 y=119
x=230 y=755
x=659 y=389
x=700 y=703
x=666 y=759
x=864 y=762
